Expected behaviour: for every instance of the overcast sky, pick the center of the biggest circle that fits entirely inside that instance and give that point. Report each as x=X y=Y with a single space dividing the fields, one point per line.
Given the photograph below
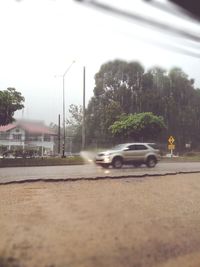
x=41 y=38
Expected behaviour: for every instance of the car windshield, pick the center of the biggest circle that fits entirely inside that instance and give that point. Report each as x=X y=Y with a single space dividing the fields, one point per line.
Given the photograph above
x=119 y=147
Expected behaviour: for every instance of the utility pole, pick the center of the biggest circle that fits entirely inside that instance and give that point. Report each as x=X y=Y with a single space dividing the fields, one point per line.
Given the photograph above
x=83 y=122
x=59 y=134
x=63 y=144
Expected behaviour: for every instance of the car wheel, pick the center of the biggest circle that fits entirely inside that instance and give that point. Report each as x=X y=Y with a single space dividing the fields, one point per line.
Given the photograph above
x=117 y=163
x=151 y=162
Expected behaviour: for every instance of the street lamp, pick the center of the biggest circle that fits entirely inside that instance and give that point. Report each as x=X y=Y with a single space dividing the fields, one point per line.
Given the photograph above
x=63 y=76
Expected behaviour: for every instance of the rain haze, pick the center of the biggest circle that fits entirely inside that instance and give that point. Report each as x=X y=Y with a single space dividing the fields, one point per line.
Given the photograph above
x=116 y=184
x=40 y=39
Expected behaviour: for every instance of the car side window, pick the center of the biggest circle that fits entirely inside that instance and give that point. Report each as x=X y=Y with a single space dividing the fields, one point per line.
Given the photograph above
x=140 y=147
x=131 y=147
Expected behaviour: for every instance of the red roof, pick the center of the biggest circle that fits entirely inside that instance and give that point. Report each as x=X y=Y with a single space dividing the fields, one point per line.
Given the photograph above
x=30 y=127
x=7 y=127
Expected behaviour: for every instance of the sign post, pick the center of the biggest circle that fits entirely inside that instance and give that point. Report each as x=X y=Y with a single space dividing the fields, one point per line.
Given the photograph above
x=171 y=145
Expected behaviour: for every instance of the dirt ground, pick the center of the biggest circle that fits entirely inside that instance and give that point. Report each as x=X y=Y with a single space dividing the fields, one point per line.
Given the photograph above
x=106 y=223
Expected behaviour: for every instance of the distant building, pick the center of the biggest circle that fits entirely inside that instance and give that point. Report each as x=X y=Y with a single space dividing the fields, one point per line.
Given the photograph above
x=28 y=135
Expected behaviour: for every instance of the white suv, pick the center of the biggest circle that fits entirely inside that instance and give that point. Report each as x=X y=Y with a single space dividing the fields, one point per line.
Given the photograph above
x=130 y=153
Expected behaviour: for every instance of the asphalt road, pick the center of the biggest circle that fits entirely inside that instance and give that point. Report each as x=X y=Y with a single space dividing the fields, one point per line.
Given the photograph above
x=91 y=171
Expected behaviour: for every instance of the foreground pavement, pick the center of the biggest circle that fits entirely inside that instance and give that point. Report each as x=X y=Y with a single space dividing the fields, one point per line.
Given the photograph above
x=152 y=221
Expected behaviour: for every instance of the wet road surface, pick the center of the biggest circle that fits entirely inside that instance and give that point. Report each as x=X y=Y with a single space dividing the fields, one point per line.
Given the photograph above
x=92 y=171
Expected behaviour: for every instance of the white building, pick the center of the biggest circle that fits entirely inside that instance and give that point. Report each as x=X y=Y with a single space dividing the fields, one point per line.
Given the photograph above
x=27 y=135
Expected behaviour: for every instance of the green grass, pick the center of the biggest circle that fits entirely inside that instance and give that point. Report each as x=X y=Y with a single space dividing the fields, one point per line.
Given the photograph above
x=77 y=160
x=183 y=159
x=19 y=162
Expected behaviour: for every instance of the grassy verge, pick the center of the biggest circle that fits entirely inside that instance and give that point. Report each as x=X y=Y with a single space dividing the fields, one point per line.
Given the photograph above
x=76 y=160
x=182 y=159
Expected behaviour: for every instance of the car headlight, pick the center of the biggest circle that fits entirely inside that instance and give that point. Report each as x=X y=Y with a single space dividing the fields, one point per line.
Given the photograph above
x=108 y=153
x=107 y=159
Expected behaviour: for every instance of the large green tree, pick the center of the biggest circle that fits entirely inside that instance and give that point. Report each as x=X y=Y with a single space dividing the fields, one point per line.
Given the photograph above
x=139 y=126
x=74 y=127
x=10 y=101
x=117 y=90
x=127 y=88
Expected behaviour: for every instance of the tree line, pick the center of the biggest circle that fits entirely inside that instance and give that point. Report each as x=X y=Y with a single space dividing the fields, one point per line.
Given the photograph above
x=10 y=101
x=124 y=88
x=126 y=94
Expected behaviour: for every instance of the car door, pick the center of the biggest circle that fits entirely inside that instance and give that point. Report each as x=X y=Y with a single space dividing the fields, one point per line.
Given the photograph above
x=140 y=152
x=129 y=153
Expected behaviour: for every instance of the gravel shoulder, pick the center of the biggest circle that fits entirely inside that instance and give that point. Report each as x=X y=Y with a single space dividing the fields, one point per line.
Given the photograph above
x=127 y=222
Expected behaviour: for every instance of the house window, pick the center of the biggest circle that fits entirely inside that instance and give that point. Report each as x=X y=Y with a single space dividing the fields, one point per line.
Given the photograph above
x=47 y=138
x=17 y=137
x=4 y=136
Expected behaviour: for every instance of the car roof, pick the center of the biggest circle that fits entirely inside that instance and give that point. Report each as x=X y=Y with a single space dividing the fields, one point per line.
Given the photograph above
x=138 y=143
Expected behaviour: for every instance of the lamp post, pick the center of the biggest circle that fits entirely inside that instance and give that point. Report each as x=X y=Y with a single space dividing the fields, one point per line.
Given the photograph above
x=83 y=123
x=63 y=76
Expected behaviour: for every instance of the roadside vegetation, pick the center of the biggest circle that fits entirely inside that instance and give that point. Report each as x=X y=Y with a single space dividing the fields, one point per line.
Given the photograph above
x=129 y=104
x=79 y=160
x=10 y=101
x=123 y=90
x=45 y=161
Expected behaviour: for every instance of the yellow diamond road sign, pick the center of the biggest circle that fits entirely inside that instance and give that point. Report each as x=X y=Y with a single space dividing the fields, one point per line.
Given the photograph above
x=171 y=140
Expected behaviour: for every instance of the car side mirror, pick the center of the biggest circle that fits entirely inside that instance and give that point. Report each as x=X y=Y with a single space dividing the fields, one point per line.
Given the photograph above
x=126 y=149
